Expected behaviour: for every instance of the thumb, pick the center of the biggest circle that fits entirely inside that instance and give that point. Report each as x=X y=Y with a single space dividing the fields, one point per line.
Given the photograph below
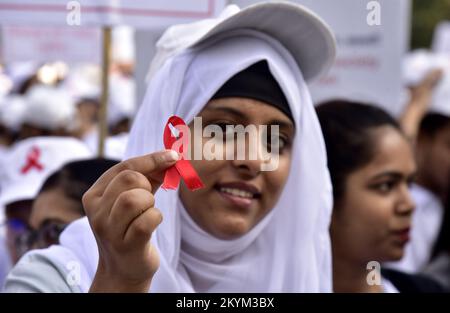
x=157 y=165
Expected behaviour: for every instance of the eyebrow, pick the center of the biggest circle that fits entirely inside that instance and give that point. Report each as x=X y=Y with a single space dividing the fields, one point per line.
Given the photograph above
x=392 y=174
x=239 y=114
x=230 y=110
x=282 y=124
x=49 y=220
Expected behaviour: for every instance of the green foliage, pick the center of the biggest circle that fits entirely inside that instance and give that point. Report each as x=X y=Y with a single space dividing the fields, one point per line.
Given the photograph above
x=426 y=15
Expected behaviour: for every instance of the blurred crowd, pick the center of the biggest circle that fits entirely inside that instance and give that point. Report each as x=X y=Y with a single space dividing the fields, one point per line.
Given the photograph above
x=49 y=137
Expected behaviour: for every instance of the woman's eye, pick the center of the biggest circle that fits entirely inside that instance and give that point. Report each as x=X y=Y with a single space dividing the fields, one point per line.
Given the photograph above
x=222 y=126
x=385 y=187
x=276 y=143
x=225 y=128
x=275 y=140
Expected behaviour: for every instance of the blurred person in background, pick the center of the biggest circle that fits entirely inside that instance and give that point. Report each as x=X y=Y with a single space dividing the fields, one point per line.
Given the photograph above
x=87 y=116
x=50 y=112
x=371 y=164
x=426 y=121
x=83 y=84
x=122 y=106
x=22 y=172
x=121 y=111
x=12 y=112
x=439 y=266
x=23 y=75
x=58 y=201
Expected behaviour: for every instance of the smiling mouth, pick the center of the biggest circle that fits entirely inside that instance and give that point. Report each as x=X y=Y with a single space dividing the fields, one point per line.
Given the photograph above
x=239 y=189
x=238 y=194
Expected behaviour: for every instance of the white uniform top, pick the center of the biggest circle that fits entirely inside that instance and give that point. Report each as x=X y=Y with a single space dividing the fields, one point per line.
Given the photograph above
x=426 y=223
x=5 y=261
x=389 y=287
x=114 y=145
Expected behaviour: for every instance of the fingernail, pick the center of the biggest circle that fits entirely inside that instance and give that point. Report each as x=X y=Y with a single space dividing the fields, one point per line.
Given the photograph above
x=171 y=155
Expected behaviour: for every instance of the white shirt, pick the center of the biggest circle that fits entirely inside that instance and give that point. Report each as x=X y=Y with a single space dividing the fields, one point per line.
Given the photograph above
x=114 y=146
x=389 y=287
x=5 y=261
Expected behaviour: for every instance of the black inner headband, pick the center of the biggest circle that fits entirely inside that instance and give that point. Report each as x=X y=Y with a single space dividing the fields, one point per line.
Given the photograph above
x=256 y=82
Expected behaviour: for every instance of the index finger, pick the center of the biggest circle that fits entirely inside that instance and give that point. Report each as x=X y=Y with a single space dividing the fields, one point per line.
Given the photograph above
x=150 y=165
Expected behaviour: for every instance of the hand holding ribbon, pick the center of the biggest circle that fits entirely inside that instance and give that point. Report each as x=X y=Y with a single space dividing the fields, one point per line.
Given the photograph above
x=183 y=168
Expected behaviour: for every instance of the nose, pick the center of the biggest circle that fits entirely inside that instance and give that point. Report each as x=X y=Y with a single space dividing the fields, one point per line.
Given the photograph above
x=248 y=158
x=406 y=204
x=247 y=168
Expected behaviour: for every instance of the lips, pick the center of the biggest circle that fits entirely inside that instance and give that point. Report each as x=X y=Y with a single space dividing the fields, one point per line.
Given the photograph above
x=403 y=234
x=238 y=193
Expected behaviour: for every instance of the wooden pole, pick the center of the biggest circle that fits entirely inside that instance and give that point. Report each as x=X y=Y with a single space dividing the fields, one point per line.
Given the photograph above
x=103 y=112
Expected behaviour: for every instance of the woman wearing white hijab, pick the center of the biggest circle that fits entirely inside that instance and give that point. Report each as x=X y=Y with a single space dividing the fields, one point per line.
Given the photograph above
x=277 y=241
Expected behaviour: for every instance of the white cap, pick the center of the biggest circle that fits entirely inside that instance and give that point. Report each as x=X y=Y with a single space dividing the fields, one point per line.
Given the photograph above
x=302 y=32
x=49 y=108
x=418 y=64
x=5 y=85
x=122 y=99
x=29 y=162
x=12 y=112
x=19 y=72
x=123 y=44
x=83 y=81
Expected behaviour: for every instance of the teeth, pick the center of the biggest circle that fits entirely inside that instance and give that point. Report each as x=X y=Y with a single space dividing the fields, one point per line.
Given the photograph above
x=237 y=192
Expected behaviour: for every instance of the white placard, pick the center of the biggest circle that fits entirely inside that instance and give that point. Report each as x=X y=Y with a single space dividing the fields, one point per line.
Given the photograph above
x=441 y=38
x=42 y=44
x=369 y=58
x=136 y=13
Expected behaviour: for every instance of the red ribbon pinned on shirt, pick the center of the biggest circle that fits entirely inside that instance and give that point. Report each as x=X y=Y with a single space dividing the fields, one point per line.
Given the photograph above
x=183 y=168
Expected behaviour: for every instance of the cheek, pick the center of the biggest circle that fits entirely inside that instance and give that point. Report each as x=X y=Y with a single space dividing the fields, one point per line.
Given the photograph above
x=276 y=180
x=207 y=170
x=69 y=216
x=35 y=218
x=377 y=208
x=369 y=212
x=199 y=202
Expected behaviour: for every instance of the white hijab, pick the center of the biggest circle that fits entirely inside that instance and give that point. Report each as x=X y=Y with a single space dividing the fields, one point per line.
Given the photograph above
x=289 y=250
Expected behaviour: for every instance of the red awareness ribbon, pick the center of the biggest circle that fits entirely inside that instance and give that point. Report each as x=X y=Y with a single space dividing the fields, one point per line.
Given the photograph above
x=32 y=161
x=183 y=168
